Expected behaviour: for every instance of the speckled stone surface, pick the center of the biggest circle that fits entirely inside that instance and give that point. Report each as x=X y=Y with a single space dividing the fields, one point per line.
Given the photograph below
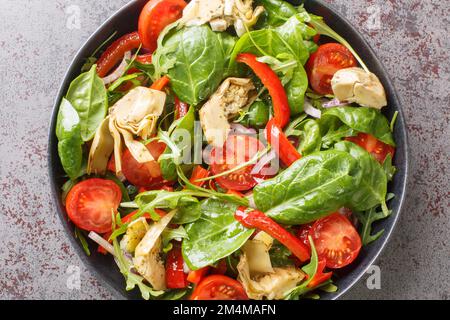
x=37 y=42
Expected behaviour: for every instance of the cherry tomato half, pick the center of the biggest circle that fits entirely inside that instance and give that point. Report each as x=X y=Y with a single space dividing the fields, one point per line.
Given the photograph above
x=378 y=149
x=146 y=175
x=336 y=240
x=90 y=203
x=156 y=15
x=219 y=287
x=324 y=63
x=236 y=150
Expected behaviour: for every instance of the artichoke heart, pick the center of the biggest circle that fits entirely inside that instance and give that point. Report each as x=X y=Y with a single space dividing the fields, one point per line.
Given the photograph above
x=232 y=95
x=271 y=286
x=221 y=14
x=132 y=119
x=147 y=260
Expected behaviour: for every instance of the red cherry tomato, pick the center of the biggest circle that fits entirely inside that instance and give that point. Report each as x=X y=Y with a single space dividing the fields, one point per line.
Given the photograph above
x=146 y=175
x=378 y=149
x=219 y=287
x=91 y=202
x=175 y=276
x=156 y=15
x=196 y=276
x=303 y=234
x=324 y=63
x=237 y=149
x=336 y=240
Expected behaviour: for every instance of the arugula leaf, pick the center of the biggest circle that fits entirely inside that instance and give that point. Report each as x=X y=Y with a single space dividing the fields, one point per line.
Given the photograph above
x=368 y=217
x=372 y=188
x=90 y=61
x=172 y=234
x=389 y=168
x=311 y=188
x=80 y=236
x=310 y=269
x=362 y=119
x=216 y=235
x=87 y=94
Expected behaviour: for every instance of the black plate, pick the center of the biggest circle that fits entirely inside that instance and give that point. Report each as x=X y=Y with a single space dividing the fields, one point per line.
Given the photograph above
x=124 y=21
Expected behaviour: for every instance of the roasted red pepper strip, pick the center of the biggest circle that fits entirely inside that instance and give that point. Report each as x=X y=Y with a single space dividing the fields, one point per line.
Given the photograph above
x=116 y=51
x=286 y=151
x=270 y=80
x=320 y=276
x=197 y=275
x=175 y=276
x=257 y=219
x=198 y=173
x=181 y=108
x=160 y=84
x=144 y=58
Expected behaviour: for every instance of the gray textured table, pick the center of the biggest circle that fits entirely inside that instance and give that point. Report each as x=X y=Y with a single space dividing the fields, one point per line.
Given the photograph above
x=39 y=38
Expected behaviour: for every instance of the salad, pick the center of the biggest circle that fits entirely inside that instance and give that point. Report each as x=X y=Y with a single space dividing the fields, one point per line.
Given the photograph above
x=227 y=149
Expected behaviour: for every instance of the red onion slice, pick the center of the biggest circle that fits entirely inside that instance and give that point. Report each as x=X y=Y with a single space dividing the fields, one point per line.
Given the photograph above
x=334 y=103
x=237 y=128
x=310 y=110
x=116 y=74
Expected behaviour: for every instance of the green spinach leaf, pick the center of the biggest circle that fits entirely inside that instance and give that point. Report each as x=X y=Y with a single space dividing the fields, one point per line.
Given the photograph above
x=88 y=96
x=311 y=188
x=276 y=12
x=168 y=161
x=195 y=58
x=68 y=132
x=372 y=188
x=214 y=236
x=361 y=119
x=310 y=138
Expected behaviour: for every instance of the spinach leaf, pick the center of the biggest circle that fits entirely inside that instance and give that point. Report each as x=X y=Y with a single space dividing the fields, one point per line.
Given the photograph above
x=257 y=115
x=367 y=218
x=195 y=60
x=280 y=256
x=296 y=89
x=187 y=214
x=333 y=131
x=68 y=132
x=294 y=32
x=367 y=120
x=311 y=188
x=214 y=236
x=269 y=43
x=276 y=12
x=168 y=161
x=372 y=188
x=310 y=138
x=88 y=96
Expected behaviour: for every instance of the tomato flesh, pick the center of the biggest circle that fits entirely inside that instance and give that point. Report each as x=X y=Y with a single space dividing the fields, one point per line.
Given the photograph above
x=219 y=287
x=379 y=150
x=154 y=17
x=91 y=202
x=324 y=63
x=336 y=240
x=145 y=175
x=237 y=149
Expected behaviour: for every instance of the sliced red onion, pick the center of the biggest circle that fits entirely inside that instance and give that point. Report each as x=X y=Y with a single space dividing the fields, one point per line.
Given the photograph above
x=237 y=128
x=251 y=200
x=310 y=110
x=101 y=242
x=116 y=74
x=334 y=103
x=265 y=160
